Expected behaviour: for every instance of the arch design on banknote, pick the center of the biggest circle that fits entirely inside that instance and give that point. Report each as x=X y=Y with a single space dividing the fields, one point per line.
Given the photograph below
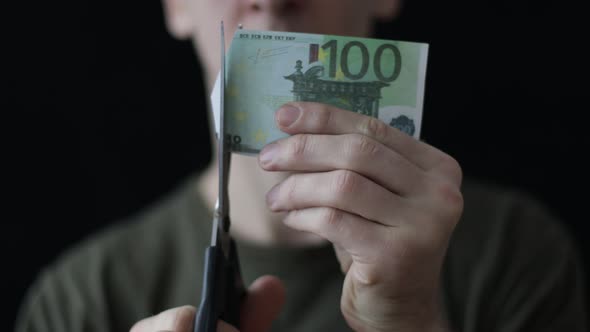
x=359 y=97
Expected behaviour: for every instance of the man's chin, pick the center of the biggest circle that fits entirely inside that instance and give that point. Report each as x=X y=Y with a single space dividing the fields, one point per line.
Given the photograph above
x=289 y=23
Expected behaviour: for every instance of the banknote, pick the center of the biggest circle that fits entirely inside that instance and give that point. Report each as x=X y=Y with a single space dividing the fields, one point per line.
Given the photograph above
x=265 y=69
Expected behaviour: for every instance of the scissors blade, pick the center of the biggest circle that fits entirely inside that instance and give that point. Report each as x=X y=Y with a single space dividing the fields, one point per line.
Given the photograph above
x=221 y=221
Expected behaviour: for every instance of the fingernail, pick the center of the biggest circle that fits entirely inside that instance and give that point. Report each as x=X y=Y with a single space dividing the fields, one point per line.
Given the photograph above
x=287 y=115
x=268 y=154
x=271 y=196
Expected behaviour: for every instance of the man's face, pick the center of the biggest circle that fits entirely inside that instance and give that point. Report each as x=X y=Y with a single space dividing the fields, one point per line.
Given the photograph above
x=200 y=19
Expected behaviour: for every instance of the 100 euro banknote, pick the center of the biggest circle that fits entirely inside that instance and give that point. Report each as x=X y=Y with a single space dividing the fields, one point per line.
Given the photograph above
x=266 y=69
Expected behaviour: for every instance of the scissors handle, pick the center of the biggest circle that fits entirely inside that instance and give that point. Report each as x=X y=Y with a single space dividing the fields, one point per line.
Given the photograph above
x=223 y=290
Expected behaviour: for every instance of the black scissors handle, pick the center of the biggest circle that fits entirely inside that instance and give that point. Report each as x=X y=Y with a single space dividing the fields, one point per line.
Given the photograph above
x=223 y=289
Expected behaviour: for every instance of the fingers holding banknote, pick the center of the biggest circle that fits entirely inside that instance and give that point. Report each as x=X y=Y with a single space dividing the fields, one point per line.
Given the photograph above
x=387 y=201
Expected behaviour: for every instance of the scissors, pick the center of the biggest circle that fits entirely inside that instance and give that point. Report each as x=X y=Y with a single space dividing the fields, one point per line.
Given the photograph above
x=223 y=287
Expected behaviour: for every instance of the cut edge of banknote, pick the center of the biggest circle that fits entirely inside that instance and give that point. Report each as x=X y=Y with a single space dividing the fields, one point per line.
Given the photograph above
x=216 y=103
x=420 y=94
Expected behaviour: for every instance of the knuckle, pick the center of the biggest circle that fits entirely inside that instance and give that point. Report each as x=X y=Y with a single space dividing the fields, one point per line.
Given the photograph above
x=333 y=222
x=451 y=199
x=332 y=218
x=345 y=181
x=291 y=185
x=322 y=118
x=451 y=168
x=299 y=145
x=367 y=276
x=363 y=145
x=375 y=128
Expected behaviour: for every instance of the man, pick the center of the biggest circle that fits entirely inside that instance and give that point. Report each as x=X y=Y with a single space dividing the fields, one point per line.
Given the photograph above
x=418 y=249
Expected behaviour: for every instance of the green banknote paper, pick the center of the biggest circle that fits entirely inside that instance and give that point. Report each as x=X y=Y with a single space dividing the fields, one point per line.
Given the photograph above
x=266 y=69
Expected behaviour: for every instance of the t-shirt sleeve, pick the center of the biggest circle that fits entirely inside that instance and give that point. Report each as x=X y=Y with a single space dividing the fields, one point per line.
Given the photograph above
x=134 y=269
x=540 y=285
x=106 y=283
x=56 y=303
x=514 y=267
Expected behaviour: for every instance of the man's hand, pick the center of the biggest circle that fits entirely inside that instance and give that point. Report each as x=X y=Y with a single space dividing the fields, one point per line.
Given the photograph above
x=387 y=202
x=262 y=305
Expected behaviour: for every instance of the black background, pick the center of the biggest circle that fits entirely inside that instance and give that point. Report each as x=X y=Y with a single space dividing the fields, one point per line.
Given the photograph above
x=105 y=112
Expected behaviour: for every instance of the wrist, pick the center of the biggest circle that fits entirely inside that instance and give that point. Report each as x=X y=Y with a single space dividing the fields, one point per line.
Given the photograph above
x=425 y=318
x=406 y=323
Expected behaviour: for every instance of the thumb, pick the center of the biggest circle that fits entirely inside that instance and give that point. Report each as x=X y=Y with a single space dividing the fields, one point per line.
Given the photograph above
x=262 y=305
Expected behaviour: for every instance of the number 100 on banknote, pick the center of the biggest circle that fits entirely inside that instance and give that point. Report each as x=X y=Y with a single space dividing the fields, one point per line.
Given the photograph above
x=383 y=79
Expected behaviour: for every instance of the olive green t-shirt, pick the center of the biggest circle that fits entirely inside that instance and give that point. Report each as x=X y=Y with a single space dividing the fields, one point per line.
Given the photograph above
x=510 y=267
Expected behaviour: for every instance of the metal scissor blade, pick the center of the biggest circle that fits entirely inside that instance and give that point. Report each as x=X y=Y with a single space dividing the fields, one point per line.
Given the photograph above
x=221 y=220
x=215 y=228
x=222 y=138
x=219 y=236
